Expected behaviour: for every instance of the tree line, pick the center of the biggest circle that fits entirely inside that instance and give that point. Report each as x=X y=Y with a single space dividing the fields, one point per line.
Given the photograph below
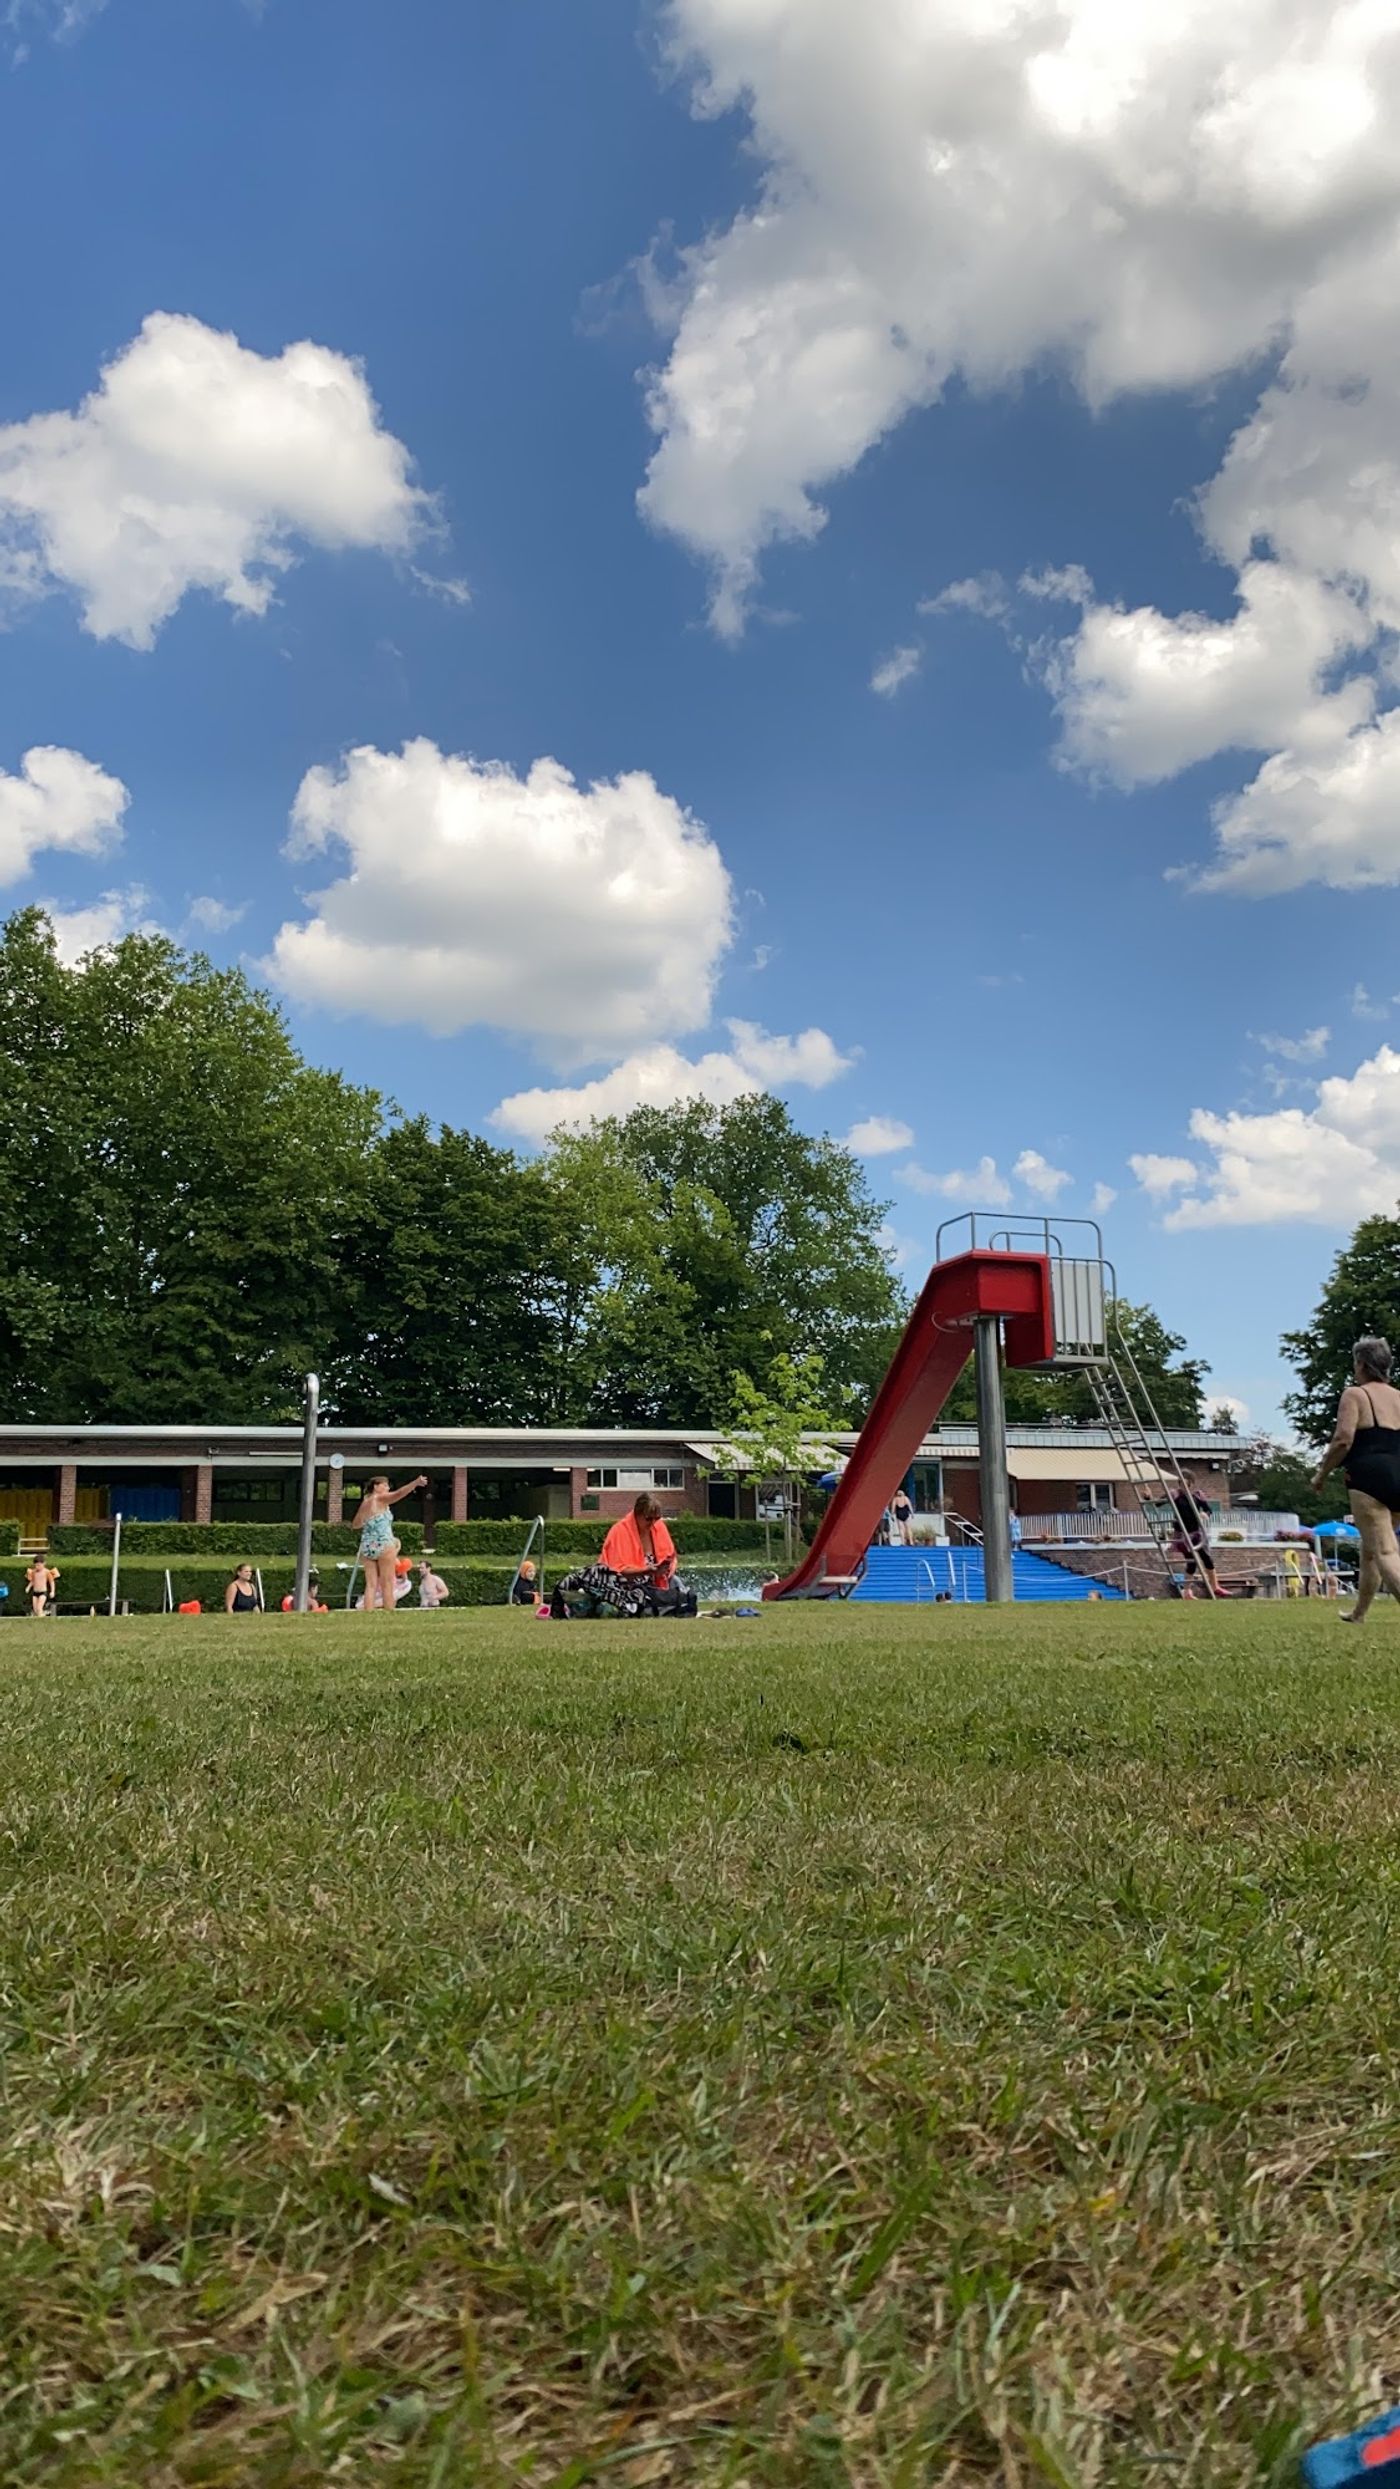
x=194 y=1216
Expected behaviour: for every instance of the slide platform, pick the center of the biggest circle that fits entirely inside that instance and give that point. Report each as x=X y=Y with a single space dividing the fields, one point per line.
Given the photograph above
x=930 y=1357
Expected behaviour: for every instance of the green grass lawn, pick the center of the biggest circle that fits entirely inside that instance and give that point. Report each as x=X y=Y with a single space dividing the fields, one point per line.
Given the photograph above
x=851 y=2047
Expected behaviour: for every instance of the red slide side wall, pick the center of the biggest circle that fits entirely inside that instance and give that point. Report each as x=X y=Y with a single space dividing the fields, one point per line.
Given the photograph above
x=927 y=1363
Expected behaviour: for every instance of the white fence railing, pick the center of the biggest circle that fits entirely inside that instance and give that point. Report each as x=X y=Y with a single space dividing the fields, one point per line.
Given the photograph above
x=1098 y=1529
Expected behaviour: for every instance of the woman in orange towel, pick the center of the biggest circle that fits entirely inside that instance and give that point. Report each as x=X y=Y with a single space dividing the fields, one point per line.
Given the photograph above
x=641 y=1543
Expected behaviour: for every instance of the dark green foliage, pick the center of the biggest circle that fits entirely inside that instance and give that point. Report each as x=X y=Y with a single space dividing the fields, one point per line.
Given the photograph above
x=174 y=1187
x=1280 y=1477
x=243 y=1540
x=692 y=1532
x=1360 y=1300
x=449 y=1278
x=710 y=1240
x=9 y=1538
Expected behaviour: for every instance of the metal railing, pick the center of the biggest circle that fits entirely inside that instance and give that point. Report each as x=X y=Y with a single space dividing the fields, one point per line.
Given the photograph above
x=1116 y=1528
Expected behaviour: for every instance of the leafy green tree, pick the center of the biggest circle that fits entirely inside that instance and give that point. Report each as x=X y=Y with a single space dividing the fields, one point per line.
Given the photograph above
x=775 y=1436
x=1173 y=1380
x=450 y=1287
x=1361 y=1299
x=1280 y=1477
x=710 y=1240
x=177 y=1185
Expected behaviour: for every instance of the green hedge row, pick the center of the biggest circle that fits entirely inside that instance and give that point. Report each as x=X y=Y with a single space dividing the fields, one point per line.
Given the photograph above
x=9 y=1538
x=250 y=1542
x=694 y=1534
x=86 y=1581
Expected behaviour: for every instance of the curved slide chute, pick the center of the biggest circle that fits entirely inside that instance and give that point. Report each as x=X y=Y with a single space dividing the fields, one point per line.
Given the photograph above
x=1016 y=1287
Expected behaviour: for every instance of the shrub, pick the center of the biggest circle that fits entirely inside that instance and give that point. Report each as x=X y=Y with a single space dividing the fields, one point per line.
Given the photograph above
x=9 y=1538
x=251 y=1541
x=693 y=1533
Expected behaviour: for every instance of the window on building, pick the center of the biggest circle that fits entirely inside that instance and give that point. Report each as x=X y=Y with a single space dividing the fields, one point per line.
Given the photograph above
x=636 y=1481
x=1095 y=1495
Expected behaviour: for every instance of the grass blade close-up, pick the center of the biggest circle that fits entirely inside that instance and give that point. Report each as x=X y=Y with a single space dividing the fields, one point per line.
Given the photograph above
x=844 y=2047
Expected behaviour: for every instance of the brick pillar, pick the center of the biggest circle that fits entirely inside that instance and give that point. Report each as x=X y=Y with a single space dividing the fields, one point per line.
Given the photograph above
x=204 y=1492
x=459 y=1490
x=578 y=1488
x=67 y=1493
x=335 y=1496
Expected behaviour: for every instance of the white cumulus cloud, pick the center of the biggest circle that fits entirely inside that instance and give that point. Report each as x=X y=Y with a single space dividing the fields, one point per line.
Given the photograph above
x=879 y=1136
x=197 y=463
x=895 y=670
x=1309 y=1048
x=590 y=919
x=1149 y=196
x=1101 y=1200
x=1328 y=1164
x=79 y=930
x=662 y=1076
x=58 y=801
x=982 y=1187
x=209 y=915
x=1162 y=1176
x=1039 y=1177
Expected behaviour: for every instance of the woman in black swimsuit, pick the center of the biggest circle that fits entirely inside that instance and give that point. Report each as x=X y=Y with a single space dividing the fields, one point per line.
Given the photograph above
x=1367 y=1444
x=241 y=1596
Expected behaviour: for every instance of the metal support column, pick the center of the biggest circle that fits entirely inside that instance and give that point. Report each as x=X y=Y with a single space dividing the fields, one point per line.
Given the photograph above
x=302 y=1594
x=991 y=1460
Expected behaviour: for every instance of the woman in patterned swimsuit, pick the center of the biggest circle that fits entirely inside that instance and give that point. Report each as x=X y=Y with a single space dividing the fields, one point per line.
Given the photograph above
x=378 y=1545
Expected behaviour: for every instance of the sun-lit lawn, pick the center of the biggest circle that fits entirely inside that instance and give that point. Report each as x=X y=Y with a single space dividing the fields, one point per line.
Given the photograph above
x=844 y=2047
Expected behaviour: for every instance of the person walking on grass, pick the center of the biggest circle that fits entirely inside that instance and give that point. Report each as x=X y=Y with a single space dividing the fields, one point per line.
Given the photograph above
x=378 y=1545
x=1366 y=1444
x=41 y=1585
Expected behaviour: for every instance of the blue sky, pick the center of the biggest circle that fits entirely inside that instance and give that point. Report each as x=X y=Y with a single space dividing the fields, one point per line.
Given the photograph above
x=395 y=307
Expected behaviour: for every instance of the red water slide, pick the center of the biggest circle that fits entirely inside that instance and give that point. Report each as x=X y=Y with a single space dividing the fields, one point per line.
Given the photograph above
x=927 y=1363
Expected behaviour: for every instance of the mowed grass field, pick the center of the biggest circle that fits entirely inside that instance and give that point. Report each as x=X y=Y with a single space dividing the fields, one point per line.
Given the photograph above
x=849 y=2047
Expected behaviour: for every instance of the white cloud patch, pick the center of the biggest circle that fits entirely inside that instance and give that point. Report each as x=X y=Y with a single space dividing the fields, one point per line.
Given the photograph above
x=1238 y=1409
x=1328 y=1164
x=58 y=802
x=216 y=915
x=1150 y=197
x=80 y=930
x=197 y=463
x=1101 y=1200
x=895 y=670
x=879 y=1136
x=1163 y=1176
x=591 y=920
x=1039 y=1177
x=661 y=1076
x=984 y=596
x=982 y=1187
x=1309 y=1048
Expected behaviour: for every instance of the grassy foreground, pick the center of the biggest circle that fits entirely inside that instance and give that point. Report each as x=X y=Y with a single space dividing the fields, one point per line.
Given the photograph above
x=843 y=2048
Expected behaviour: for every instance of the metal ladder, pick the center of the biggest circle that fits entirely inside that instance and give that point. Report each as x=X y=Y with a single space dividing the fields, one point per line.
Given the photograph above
x=1126 y=1408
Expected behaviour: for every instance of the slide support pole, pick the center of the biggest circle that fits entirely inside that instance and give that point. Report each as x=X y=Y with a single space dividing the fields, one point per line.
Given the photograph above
x=991 y=1461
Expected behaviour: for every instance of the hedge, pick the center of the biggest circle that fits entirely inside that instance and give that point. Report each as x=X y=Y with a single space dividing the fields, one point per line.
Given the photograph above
x=86 y=1582
x=9 y=1538
x=250 y=1542
x=694 y=1533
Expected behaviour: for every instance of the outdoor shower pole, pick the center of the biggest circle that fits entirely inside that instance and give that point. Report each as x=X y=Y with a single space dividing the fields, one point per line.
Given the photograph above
x=991 y=1461
x=302 y=1594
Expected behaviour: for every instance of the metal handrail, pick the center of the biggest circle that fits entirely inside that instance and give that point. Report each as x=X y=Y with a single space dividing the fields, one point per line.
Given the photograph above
x=536 y=1525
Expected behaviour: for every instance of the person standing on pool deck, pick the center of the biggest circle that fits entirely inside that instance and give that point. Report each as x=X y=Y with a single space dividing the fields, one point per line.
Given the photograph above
x=1366 y=1443
x=378 y=1545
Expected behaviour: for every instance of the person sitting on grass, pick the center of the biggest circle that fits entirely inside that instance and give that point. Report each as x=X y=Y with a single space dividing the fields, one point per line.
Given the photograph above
x=527 y=1588
x=315 y=1604
x=641 y=1543
x=241 y=1596
x=432 y=1589
x=41 y=1583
